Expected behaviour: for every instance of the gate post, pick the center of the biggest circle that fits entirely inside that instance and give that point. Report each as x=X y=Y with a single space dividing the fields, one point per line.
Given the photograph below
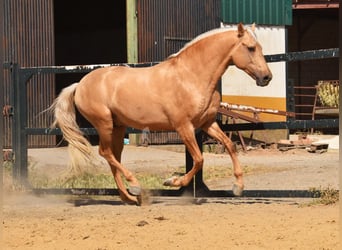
x=196 y=185
x=19 y=136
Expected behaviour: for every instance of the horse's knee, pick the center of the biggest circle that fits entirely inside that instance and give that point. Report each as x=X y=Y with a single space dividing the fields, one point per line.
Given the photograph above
x=198 y=163
x=201 y=161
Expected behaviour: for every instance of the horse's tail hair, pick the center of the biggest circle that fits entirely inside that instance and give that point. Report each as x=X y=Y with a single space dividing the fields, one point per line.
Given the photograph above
x=79 y=148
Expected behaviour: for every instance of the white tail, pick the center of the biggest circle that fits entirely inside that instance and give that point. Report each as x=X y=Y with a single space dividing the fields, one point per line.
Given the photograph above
x=80 y=150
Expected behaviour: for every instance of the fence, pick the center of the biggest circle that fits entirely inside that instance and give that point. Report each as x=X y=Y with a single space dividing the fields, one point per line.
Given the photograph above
x=20 y=77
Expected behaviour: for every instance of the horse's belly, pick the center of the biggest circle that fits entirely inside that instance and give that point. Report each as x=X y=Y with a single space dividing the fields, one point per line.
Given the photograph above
x=142 y=118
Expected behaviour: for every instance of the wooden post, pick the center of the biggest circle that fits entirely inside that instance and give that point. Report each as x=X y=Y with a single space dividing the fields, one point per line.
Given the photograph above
x=132 y=31
x=1 y=107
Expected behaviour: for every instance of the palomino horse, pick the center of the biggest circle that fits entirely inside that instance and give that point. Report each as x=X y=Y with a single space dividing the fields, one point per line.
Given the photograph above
x=177 y=94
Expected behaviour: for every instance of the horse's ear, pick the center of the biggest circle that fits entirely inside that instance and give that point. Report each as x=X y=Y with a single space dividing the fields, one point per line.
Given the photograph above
x=241 y=30
x=253 y=27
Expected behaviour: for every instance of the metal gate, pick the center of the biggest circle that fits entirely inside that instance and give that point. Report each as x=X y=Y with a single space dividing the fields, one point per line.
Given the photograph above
x=21 y=129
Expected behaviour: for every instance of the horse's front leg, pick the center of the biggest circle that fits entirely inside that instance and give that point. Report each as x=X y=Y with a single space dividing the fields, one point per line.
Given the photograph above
x=187 y=134
x=215 y=131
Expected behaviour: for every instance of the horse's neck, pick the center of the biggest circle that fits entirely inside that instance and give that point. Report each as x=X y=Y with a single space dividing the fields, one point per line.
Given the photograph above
x=209 y=60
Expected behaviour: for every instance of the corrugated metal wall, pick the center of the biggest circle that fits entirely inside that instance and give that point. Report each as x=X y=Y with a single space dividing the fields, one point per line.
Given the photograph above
x=267 y=12
x=29 y=41
x=165 y=26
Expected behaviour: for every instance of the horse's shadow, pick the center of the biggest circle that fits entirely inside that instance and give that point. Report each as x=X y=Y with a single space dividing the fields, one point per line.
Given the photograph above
x=167 y=201
x=243 y=200
x=80 y=202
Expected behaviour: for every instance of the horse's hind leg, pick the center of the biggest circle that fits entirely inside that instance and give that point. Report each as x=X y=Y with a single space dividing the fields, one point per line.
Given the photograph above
x=215 y=131
x=111 y=145
x=117 y=147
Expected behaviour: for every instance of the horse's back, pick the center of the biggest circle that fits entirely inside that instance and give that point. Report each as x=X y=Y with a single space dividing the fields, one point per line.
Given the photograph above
x=126 y=94
x=103 y=83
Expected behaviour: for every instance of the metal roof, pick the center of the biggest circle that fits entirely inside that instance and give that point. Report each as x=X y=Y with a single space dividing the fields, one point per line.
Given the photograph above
x=267 y=12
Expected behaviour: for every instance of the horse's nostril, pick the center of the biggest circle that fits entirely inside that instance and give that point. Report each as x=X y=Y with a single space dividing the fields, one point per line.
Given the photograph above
x=267 y=78
x=264 y=80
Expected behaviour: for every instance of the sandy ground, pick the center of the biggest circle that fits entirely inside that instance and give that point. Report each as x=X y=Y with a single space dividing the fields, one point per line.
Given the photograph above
x=80 y=222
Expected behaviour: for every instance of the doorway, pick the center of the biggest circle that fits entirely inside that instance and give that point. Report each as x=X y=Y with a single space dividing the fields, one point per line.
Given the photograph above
x=88 y=32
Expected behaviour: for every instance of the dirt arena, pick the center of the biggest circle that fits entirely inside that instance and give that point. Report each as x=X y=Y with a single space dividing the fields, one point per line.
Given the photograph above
x=82 y=222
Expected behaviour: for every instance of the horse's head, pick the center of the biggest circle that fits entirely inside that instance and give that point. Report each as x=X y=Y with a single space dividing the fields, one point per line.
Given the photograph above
x=248 y=56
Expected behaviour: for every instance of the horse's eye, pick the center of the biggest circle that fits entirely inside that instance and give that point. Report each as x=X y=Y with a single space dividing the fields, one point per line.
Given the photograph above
x=251 y=49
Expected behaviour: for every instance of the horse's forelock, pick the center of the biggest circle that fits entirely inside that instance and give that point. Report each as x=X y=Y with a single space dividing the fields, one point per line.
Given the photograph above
x=253 y=34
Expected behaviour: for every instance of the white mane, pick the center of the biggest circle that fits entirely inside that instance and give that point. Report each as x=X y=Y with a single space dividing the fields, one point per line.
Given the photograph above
x=200 y=37
x=253 y=34
x=210 y=33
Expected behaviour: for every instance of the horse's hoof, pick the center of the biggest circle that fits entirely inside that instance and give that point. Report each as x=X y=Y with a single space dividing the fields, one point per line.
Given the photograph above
x=237 y=190
x=139 y=201
x=170 y=182
x=144 y=198
x=130 y=200
x=134 y=190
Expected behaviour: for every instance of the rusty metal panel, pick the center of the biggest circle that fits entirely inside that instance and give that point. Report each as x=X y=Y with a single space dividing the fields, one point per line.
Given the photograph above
x=29 y=41
x=166 y=26
x=159 y=137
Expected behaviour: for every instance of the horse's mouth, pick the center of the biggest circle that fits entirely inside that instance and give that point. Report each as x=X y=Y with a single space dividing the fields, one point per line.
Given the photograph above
x=261 y=81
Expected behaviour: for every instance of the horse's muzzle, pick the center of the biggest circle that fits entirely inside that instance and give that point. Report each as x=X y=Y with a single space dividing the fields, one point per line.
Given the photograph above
x=264 y=81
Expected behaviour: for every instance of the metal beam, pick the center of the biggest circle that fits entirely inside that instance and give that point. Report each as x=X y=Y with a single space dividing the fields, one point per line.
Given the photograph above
x=291 y=124
x=313 y=5
x=304 y=55
x=57 y=131
x=290 y=56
